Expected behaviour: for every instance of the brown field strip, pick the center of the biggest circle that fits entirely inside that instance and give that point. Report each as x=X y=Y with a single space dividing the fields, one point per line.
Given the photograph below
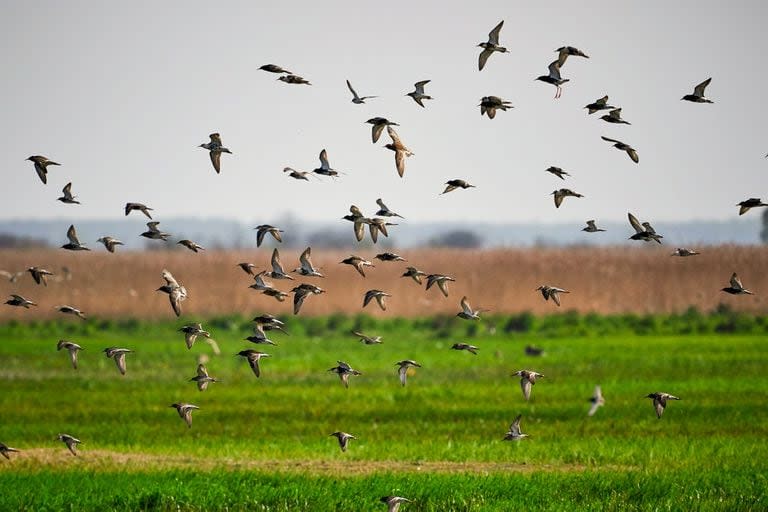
x=45 y=459
x=638 y=278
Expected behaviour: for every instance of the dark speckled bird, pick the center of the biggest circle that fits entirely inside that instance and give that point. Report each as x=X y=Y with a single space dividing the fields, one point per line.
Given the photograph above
x=192 y=246
x=129 y=207
x=599 y=104
x=70 y=441
x=414 y=274
x=41 y=166
x=294 y=79
x=378 y=295
x=185 y=412
x=343 y=438
x=562 y=194
x=19 y=301
x=489 y=105
x=527 y=380
x=394 y=502
x=153 y=233
x=274 y=68
x=67 y=198
x=452 y=185
x=401 y=152
x=343 y=370
x=72 y=348
x=378 y=124
x=465 y=346
x=614 y=116
x=418 y=94
x=39 y=275
x=736 y=288
x=660 y=401
x=752 y=202
x=118 y=354
x=592 y=227
x=557 y=171
x=631 y=152
x=110 y=243
x=74 y=242
x=253 y=357
x=215 y=149
x=358 y=263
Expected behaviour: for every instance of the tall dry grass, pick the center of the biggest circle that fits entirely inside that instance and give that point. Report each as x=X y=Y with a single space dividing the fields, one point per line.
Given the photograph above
x=637 y=278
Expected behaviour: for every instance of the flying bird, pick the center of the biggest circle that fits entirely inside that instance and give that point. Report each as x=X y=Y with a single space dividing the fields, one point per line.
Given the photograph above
x=185 y=412
x=247 y=267
x=110 y=243
x=614 y=117
x=599 y=104
x=69 y=310
x=403 y=367
x=358 y=263
x=401 y=152
x=253 y=357
x=5 y=450
x=467 y=313
x=527 y=380
x=644 y=231
x=378 y=295
x=554 y=78
x=273 y=68
x=176 y=292
x=377 y=126
x=264 y=229
x=215 y=149
x=191 y=332
x=418 y=94
x=489 y=105
x=591 y=227
x=384 y=211
x=358 y=100
x=72 y=348
x=192 y=246
x=393 y=502
x=358 y=221
x=70 y=441
x=41 y=166
x=129 y=207
x=441 y=281
x=452 y=185
x=18 y=300
x=491 y=46
x=389 y=256
x=557 y=171
x=698 y=93
x=465 y=346
x=514 y=433
x=562 y=194
x=624 y=147
x=67 y=198
x=683 y=252
x=118 y=354
x=414 y=274
x=39 y=275
x=74 y=242
x=368 y=340
x=569 y=51
x=153 y=233
x=597 y=401
x=202 y=378
x=343 y=438
x=752 y=202
x=297 y=175
x=306 y=268
x=294 y=79
x=736 y=288
x=301 y=292
x=277 y=267
x=325 y=167
x=343 y=370
x=551 y=292
x=660 y=401
x=376 y=226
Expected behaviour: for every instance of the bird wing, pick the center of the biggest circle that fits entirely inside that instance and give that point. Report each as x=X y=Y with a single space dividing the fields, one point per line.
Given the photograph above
x=324 y=160
x=635 y=223
x=400 y=162
x=443 y=285
x=152 y=226
x=380 y=299
x=304 y=260
x=202 y=371
x=554 y=70
x=594 y=408
x=493 y=35
x=555 y=295
x=277 y=268
x=298 y=300
x=42 y=172
x=359 y=266
x=420 y=86
x=374 y=230
x=483 y=58
x=615 y=113
x=359 y=229
x=633 y=155
x=175 y=297
x=611 y=140
x=514 y=428
x=736 y=282
x=558 y=199
x=526 y=385
x=216 y=160
x=395 y=138
x=465 y=306
x=381 y=204
x=699 y=89
x=120 y=362
x=403 y=373
x=602 y=101
x=169 y=279
x=72 y=235
x=254 y=364
x=376 y=132
x=658 y=404
x=67 y=190
x=215 y=139
x=73 y=355
x=352 y=90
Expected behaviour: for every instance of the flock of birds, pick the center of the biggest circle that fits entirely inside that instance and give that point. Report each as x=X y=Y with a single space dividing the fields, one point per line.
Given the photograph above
x=377 y=224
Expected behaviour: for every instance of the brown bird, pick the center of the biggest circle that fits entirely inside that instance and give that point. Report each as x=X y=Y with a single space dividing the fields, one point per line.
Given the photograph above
x=185 y=412
x=551 y=292
x=527 y=380
x=441 y=281
x=378 y=124
x=273 y=68
x=129 y=207
x=401 y=152
x=343 y=438
x=414 y=274
x=378 y=295
x=72 y=348
x=358 y=263
x=465 y=346
x=153 y=233
x=389 y=256
x=344 y=371
x=491 y=46
x=247 y=267
x=752 y=202
x=368 y=340
x=74 y=242
x=39 y=275
x=264 y=229
x=118 y=354
x=69 y=310
x=41 y=166
x=489 y=105
x=294 y=79
x=70 y=441
x=660 y=401
x=192 y=246
x=454 y=184
x=176 y=292
x=599 y=104
x=624 y=147
x=18 y=300
x=110 y=243
x=301 y=292
x=736 y=288
x=253 y=357
x=67 y=198
x=562 y=194
x=557 y=172
x=614 y=116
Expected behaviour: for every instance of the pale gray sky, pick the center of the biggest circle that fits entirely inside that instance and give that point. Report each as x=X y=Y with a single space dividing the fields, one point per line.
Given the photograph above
x=121 y=93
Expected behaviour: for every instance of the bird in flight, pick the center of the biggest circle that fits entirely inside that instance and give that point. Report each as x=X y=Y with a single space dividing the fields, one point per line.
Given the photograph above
x=358 y=100
x=41 y=166
x=418 y=94
x=491 y=46
x=215 y=149
x=698 y=93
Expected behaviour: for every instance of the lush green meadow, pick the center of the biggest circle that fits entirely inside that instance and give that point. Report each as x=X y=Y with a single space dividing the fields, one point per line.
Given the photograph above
x=263 y=443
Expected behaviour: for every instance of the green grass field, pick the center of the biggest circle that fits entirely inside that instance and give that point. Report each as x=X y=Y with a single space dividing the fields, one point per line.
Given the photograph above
x=263 y=444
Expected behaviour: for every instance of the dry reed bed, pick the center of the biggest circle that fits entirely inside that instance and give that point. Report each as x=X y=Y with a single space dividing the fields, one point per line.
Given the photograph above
x=637 y=278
